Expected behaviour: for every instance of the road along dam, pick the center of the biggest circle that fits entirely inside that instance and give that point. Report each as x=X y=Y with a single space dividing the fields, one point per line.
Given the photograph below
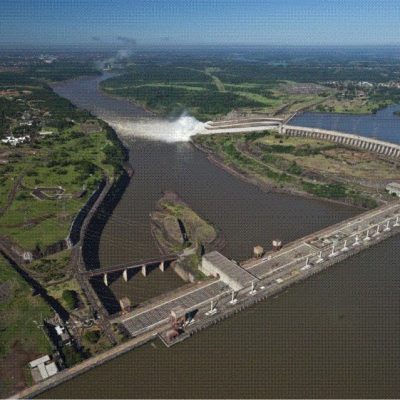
x=232 y=287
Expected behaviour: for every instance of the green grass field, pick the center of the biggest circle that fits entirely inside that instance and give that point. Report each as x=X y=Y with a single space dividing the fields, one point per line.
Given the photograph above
x=70 y=160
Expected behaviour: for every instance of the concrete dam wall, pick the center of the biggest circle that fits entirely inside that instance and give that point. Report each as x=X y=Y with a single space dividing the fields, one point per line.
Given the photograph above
x=361 y=142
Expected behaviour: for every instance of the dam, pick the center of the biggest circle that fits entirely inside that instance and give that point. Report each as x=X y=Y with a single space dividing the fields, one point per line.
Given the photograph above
x=269 y=123
x=234 y=286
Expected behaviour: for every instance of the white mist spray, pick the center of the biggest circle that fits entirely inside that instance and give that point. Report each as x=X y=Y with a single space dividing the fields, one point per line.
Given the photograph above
x=179 y=130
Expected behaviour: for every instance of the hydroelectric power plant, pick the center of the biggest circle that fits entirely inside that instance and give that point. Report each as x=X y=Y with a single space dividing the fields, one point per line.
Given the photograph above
x=172 y=159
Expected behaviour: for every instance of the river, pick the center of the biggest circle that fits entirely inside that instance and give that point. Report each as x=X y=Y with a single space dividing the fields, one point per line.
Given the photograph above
x=334 y=335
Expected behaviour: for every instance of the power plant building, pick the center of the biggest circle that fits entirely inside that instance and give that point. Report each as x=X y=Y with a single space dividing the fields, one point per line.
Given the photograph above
x=230 y=273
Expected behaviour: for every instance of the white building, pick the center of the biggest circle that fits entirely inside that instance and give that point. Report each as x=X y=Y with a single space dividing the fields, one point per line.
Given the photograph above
x=43 y=368
x=393 y=188
x=233 y=275
x=14 y=141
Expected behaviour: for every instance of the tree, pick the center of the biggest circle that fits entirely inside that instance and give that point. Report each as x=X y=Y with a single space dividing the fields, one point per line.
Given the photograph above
x=71 y=298
x=71 y=356
x=92 y=336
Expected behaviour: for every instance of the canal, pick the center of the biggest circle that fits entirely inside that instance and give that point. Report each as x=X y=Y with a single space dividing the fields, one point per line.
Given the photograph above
x=335 y=335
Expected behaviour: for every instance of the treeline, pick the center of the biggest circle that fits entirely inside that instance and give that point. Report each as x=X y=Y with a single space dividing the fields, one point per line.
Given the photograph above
x=155 y=73
x=62 y=70
x=116 y=154
x=237 y=73
x=203 y=104
x=338 y=191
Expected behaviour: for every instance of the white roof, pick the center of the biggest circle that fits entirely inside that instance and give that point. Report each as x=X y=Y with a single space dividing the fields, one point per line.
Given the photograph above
x=38 y=361
x=59 y=330
x=394 y=185
x=43 y=371
x=51 y=369
x=229 y=268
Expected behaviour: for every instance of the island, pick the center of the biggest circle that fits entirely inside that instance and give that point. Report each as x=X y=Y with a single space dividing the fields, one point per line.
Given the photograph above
x=176 y=228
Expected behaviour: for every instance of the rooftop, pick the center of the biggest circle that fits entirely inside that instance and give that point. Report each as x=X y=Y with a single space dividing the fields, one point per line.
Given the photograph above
x=394 y=185
x=229 y=268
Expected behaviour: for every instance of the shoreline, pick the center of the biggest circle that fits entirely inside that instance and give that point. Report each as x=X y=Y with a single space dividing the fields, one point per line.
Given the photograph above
x=268 y=188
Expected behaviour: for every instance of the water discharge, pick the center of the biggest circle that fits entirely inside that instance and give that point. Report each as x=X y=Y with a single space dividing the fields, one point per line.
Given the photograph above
x=178 y=130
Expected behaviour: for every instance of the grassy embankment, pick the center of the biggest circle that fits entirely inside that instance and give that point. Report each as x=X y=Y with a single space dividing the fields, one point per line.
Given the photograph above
x=21 y=335
x=175 y=227
x=301 y=165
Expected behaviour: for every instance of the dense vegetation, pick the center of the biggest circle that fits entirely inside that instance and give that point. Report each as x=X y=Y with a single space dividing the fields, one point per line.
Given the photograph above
x=62 y=70
x=70 y=158
x=211 y=84
x=173 y=89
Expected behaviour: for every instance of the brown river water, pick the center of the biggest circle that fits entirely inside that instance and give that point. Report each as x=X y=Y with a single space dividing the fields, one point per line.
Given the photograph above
x=335 y=335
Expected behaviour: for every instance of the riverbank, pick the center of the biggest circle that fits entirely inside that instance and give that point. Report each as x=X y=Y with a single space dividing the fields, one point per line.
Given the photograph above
x=51 y=186
x=84 y=366
x=302 y=166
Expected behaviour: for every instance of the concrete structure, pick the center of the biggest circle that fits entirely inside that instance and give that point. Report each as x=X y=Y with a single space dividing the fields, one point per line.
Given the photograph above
x=393 y=188
x=242 y=125
x=143 y=319
x=258 y=251
x=346 y=139
x=231 y=274
x=125 y=304
x=51 y=369
x=43 y=368
x=39 y=361
x=161 y=262
x=240 y=286
x=263 y=123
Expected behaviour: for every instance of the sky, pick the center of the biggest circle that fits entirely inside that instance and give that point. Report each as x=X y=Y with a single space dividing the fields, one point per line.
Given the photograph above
x=189 y=22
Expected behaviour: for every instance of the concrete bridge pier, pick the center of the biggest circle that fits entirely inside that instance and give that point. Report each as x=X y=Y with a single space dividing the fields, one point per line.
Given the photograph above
x=144 y=270
x=105 y=279
x=125 y=275
x=213 y=310
x=162 y=266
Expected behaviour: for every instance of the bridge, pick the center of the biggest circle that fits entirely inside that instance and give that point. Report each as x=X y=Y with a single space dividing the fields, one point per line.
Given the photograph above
x=161 y=262
x=232 y=286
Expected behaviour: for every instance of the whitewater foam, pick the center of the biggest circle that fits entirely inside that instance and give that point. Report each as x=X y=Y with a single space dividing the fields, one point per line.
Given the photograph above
x=178 y=130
